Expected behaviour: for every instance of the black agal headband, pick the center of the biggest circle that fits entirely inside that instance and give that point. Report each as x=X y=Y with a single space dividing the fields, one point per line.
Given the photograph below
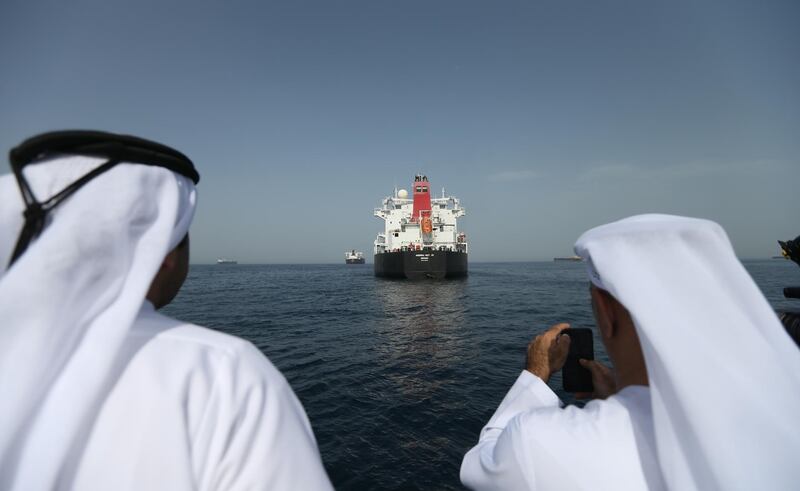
x=114 y=148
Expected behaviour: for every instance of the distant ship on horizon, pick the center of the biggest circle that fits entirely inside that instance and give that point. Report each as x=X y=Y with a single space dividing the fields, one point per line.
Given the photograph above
x=354 y=257
x=568 y=258
x=223 y=260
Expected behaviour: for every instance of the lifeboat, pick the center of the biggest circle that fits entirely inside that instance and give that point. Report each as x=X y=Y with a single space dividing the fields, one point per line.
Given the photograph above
x=427 y=225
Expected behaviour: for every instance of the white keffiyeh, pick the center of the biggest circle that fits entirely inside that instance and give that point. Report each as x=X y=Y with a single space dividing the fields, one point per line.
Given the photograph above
x=68 y=302
x=724 y=375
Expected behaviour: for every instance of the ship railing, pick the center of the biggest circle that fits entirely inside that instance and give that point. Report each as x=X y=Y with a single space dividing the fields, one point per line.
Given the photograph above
x=437 y=242
x=461 y=247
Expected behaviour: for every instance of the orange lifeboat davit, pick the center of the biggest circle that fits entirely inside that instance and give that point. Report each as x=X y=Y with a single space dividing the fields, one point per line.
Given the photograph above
x=427 y=225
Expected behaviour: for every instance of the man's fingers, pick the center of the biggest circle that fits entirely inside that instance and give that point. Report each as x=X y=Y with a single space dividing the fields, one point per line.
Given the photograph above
x=563 y=343
x=595 y=368
x=555 y=330
x=550 y=334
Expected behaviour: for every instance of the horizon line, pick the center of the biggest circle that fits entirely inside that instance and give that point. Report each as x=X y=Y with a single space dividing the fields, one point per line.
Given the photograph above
x=512 y=261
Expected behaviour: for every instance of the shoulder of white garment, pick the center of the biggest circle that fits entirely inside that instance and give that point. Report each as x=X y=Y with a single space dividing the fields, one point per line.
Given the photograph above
x=240 y=410
x=193 y=344
x=162 y=328
x=599 y=446
x=496 y=462
x=532 y=443
x=596 y=420
x=528 y=392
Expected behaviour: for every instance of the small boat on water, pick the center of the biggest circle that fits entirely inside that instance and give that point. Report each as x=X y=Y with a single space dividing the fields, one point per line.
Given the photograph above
x=568 y=258
x=354 y=257
x=223 y=260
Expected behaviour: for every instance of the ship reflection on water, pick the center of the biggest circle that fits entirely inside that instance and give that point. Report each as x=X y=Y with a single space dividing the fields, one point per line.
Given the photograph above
x=421 y=333
x=421 y=353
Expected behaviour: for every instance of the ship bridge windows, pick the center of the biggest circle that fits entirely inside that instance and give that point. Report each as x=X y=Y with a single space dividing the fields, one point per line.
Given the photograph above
x=419 y=189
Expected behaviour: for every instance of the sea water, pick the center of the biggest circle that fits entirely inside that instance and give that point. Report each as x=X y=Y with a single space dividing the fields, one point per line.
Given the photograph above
x=398 y=377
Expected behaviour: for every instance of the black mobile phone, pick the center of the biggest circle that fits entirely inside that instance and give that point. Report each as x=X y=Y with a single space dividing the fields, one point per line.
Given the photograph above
x=574 y=376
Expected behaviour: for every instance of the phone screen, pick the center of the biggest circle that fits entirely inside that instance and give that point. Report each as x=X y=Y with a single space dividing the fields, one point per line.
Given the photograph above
x=575 y=377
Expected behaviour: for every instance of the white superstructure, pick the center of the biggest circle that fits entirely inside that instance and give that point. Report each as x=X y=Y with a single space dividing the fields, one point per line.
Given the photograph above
x=404 y=232
x=353 y=256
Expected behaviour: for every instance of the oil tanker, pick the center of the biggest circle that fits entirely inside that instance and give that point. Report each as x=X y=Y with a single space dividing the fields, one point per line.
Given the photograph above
x=420 y=237
x=354 y=257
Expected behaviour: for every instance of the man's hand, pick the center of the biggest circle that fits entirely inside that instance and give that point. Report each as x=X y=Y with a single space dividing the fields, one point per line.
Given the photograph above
x=603 y=380
x=548 y=352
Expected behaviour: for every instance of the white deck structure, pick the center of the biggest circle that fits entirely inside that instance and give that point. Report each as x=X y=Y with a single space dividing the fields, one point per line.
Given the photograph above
x=401 y=233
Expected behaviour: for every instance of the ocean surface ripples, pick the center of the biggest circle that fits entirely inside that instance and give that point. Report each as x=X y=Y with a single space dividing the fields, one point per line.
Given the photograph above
x=398 y=377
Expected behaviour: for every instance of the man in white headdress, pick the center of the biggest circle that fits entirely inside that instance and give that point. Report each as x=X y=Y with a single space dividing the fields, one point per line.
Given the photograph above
x=706 y=388
x=98 y=390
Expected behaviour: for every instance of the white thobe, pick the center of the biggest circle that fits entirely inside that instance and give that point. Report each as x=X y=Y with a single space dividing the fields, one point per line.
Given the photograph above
x=532 y=443
x=198 y=409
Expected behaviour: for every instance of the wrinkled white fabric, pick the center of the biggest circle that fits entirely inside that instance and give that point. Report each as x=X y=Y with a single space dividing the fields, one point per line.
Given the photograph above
x=724 y=375
x=532 y=443
x=99 y=391
x=198 y=409
x=721 y=409
x=68 y=303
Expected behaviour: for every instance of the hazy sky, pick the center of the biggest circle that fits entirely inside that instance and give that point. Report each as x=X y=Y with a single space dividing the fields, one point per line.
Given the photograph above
x=545 y=118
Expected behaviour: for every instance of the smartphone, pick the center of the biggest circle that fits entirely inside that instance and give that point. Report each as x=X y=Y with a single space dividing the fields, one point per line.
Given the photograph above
x=574 y=376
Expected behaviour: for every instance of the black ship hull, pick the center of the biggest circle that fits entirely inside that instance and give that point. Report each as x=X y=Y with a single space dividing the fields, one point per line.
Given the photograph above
x=421 y=264
x=354 y=261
